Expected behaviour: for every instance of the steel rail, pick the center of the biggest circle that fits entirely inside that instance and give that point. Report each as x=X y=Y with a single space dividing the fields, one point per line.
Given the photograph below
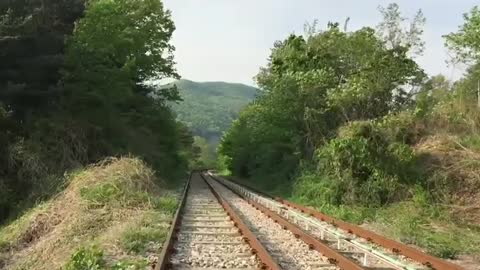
x=262 y=254
x=396 y=247
x=310 y=223
x=333 y=256
x=163 y=262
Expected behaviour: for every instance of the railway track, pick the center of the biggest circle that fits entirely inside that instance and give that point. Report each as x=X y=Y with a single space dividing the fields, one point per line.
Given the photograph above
x=207 y=234
x=221 y=224
x=367 y=249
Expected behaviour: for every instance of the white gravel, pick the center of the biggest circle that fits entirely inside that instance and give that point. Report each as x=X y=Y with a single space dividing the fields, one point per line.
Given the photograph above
x=290 y=252
x=207 y=237
x=357 y=253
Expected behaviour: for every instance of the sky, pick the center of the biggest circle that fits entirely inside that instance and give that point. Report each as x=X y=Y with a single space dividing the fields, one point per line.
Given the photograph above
x=229 y=40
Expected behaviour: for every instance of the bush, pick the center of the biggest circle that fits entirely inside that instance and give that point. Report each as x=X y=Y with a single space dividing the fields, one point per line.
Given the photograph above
x=362 y=166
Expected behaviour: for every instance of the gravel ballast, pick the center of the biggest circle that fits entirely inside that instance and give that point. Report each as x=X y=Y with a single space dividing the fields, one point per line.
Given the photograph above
x=288 y=251
x=207 y=237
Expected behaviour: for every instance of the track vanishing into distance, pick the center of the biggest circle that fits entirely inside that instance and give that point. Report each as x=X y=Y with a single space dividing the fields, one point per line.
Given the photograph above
x=221 y=224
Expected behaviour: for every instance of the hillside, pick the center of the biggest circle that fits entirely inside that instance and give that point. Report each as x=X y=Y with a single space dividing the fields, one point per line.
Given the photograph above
x=208 y=108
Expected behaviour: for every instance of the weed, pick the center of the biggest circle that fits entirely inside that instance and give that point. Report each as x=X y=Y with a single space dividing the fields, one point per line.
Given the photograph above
x=167 y=203
x=139 y=240
x=86 y=259
x=101 y=194
x=420 y=223
x=472 y=142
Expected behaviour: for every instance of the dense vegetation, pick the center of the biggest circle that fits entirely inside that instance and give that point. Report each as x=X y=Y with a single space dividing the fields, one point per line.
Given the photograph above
x=348 y=122
x=68 y=102
x=208 y=108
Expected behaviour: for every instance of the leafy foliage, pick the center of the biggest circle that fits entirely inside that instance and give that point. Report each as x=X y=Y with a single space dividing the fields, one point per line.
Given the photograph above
x=348 y=123
x=86 y=259
x=310 y=87
x=466 y=42
x=363 y=167
x=96 y=102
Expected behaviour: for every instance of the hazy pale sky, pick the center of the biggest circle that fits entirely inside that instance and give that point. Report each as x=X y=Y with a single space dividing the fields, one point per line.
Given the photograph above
x=229 y=40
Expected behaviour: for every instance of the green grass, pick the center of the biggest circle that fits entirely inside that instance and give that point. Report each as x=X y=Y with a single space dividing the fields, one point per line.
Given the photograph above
x=92 y=258
x=127 y=264
x=87 y=259
x=101 y=194
x=124 y=207
x=415 y=222
x=429 y=226
x=13 y=234
x=148 y=235
x=111 y=192
x=471 y=142
x=167 y=203
x=137 y=240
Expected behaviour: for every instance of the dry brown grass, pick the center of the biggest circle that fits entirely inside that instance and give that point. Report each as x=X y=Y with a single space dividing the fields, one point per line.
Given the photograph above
x=457 y=173
x=45 y=237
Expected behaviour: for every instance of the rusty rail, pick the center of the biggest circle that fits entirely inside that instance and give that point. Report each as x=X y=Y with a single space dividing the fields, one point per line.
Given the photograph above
x=333 y=256
x=257 y=248
x=396 y=247
x=164 y=257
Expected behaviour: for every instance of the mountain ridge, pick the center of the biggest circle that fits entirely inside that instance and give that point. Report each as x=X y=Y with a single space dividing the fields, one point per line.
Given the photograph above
x=208 y=108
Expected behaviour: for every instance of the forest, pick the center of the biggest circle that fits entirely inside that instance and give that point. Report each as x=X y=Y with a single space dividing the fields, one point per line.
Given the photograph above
x=348 y=122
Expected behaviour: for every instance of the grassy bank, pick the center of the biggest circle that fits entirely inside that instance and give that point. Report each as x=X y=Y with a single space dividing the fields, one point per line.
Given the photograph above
x=113 y=215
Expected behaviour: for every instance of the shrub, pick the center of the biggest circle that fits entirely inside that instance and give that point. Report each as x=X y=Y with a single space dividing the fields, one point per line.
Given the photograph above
x=362 y=166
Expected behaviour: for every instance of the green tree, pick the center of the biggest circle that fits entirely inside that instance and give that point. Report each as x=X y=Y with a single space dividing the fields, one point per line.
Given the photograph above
x=465 y=43
x=100 y=103
x=435 y=90
x=311 y=86
x=116 y=47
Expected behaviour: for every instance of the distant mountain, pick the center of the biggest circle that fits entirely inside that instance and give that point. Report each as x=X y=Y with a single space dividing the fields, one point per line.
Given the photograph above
x=209 y=108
